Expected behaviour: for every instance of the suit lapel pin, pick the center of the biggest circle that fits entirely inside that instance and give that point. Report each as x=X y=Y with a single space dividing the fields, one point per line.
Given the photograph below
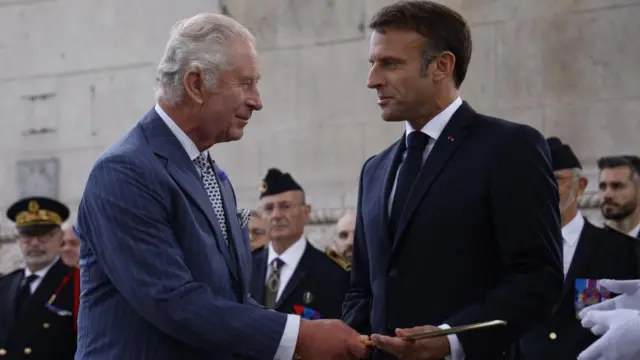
x=450 y=138
x=307 y=297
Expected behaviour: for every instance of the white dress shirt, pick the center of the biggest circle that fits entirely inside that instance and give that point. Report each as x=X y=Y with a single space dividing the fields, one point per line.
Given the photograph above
x=290 y=258
x=287 y=345
x=635 y=232
x=433 y=129
x=40 y=273
x=570 y=237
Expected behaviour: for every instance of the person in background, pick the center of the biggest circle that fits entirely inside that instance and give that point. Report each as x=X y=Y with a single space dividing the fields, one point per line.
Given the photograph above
x=70 y=252
x=589 y=253
x=290 y=275
x=342 y=241
x=620 y=193
x=257 y=231
x=38 y=303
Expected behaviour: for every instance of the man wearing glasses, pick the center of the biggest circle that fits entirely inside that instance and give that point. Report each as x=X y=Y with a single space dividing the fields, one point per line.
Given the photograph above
x=290 y=275
x=37 y=302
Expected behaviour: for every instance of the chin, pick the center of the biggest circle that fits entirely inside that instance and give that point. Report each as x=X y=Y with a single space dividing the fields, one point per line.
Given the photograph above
x=235 y=134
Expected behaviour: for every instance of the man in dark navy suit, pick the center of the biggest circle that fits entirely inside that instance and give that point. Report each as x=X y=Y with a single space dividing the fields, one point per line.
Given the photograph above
x=457 y=221
x=290 y=275
x=589 y=253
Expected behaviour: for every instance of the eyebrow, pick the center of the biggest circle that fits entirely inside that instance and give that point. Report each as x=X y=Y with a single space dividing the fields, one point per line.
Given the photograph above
x=387 y=58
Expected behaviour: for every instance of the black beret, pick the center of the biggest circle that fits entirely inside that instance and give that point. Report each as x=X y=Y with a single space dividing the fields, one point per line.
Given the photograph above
x=562 y=156
x=37 y=215
x=276 y=182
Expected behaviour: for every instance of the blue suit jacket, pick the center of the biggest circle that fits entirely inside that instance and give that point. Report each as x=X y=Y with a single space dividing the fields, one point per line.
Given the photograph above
x=479 y=238
x=158 y=281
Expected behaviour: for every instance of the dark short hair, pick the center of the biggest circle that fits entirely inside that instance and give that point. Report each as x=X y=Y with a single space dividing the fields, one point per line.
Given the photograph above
x=443 y=29
x=630 y=161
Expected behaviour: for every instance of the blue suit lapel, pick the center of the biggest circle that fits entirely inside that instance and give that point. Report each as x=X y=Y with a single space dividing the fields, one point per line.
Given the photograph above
x=182 y=170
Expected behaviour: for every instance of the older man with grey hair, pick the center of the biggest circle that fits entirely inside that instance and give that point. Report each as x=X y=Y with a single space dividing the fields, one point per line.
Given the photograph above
x=164 y=255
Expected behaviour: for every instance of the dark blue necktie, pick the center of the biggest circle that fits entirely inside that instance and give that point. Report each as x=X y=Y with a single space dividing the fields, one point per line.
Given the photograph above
x=409 y=170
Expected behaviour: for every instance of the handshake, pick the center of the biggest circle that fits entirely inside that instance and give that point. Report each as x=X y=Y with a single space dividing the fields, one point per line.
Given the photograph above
x=334 y=340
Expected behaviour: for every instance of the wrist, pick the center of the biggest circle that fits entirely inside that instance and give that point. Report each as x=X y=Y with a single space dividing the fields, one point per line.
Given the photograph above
x=302 y=338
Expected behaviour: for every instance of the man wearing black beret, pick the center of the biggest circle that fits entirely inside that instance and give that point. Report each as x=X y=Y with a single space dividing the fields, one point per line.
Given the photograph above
x=290 y=275
x=38 y=303
x=589 y=253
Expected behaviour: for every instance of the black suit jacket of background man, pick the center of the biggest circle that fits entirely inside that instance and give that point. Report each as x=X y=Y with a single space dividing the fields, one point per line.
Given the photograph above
x=600 y=254
x=479 y=238
x=37 y=332
x=318 y=284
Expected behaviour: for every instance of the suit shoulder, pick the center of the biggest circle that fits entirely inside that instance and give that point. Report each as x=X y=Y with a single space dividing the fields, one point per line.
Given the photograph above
x=8 y=277
x=509 y=128
x=611 y=235
x=338 y=259
x=329 y=267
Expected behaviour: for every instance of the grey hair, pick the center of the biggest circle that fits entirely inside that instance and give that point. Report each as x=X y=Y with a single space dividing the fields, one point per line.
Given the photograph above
x=197 y=43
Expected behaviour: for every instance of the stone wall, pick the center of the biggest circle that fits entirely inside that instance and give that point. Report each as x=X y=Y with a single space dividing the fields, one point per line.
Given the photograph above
x=77 y=74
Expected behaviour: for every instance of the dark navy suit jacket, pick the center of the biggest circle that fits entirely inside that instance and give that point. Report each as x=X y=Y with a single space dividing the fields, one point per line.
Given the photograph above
x=158 y=281
x=479 y=238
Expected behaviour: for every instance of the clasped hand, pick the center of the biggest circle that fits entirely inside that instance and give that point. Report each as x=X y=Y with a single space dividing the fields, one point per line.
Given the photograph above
x=617 y=321
x=426 y=349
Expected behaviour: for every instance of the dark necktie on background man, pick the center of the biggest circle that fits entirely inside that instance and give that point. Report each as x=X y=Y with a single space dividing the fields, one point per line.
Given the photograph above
x=409 y=170
x=25 y=293
x=273 y=283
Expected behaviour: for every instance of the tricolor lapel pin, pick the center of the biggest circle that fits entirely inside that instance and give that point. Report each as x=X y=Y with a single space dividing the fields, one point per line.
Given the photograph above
x=450 y=138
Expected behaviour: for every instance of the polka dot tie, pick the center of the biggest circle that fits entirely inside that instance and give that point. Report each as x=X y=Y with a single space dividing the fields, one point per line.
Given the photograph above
x=213 y=190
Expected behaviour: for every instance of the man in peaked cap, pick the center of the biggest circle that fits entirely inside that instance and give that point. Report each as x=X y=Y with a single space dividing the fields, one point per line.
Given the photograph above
x=290 y=275
x=38 y=303
x=589 y=253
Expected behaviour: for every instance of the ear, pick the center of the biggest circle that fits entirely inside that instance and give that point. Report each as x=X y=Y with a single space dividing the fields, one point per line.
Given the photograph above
x=193 y=82
x=444 y=66
x=307 y=211
x=582 y=185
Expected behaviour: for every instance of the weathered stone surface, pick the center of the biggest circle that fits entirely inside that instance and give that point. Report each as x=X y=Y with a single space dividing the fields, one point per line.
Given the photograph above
x=87 y=70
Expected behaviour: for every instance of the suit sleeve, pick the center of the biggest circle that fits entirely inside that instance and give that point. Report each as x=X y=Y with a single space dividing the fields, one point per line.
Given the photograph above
x=125 y=221
x=524 y=206
x=357 y=305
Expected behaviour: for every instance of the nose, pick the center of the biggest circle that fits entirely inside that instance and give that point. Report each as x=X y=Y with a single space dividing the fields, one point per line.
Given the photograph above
x=255 y=101
x=374 y=80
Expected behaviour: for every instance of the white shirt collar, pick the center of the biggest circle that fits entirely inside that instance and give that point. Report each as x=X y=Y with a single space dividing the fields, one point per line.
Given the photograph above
x=291 y=257
x=571 y=232
x=635 y=232
x=188 y=144
x=42 y=272
x=434 y=127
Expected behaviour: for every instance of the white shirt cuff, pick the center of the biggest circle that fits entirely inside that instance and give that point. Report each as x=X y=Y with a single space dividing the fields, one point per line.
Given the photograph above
x=287 y=346
x=457 y=353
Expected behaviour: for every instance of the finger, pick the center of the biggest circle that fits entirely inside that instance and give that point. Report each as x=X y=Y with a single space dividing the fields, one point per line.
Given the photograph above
x=599 y=329
x=595 y=317
x=621 y=286
x=410 y=331
x=605 y=305
x=359 y=348
x=593 y=352
x=392 y=345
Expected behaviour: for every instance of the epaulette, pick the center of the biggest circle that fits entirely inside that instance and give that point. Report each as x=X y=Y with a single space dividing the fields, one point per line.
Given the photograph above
x=338 y=259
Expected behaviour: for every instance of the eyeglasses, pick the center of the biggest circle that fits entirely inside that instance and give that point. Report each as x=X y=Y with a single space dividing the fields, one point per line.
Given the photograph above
x=284 y=207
